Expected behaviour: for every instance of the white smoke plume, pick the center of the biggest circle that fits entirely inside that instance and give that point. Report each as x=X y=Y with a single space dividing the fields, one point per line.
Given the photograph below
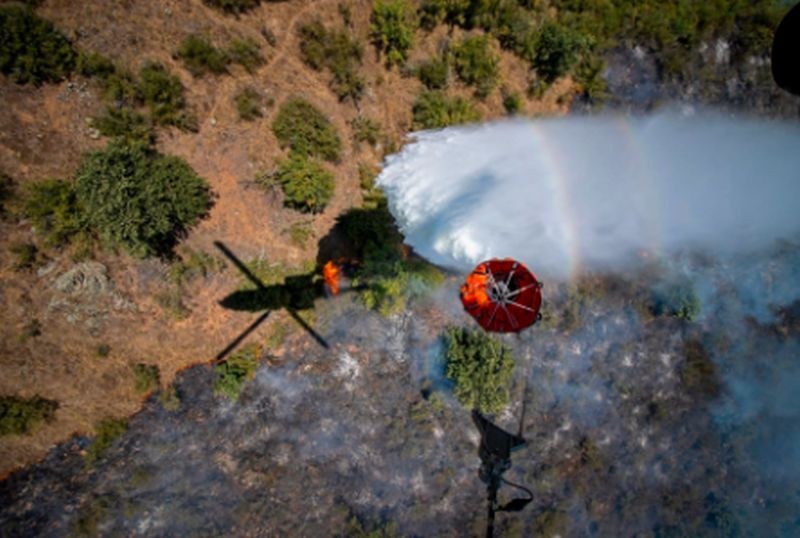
x=589 y=193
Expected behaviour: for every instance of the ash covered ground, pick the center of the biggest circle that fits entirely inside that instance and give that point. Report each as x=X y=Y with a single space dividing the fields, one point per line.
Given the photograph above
x=640 y=423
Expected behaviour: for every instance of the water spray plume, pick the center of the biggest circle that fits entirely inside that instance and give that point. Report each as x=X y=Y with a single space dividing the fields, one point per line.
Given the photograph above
x=595 y=193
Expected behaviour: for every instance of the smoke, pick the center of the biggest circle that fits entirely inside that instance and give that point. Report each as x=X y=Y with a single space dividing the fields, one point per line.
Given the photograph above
x=694 y=207
x=572 y=194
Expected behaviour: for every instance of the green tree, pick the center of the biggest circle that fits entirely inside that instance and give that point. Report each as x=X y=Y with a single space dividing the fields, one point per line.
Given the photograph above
x=476 y=65
x=307 y=186
x=556 y=52
x=235 y=372
x=392 y=29
x=481 y=368
x=31 y=49
x=305 y=130
x=434 y=73
x=434 y=110
x=138 y=199
x=163 y=95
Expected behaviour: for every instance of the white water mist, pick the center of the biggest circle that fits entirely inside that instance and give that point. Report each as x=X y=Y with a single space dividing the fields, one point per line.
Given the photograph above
x=593 y=192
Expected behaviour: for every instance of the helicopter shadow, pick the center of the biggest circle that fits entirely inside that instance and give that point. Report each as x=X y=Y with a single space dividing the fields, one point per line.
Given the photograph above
x=297 y=292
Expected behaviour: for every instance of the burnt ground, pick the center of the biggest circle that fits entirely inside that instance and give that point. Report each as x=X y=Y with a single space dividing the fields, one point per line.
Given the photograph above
x=638 y=425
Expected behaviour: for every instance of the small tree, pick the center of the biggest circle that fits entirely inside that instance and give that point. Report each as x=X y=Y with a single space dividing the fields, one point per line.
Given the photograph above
x=481 y=368
x=305 y=130
x=392 y=29
x=31 y=49
x=476 y=65
x=138 y=199
x=556 y=52
x=308 y=187
x=434 y=110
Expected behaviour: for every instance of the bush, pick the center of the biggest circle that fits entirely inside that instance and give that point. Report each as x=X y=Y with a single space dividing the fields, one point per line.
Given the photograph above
x=31 y=49
x=556 y=52
x=476 y=65
x=248 y=104
x=366 y=130
x=246 y=53
x=481 y=368
x=108 y=430
x=200 y=56
x=6 y=193
x=512 y=103
x=305 y=130
x=434 y=110
x=233 y=6
x=122 y=90
x=145 y=377
x=26 y=255
x=52 y=206
x=392 y=29
x=138 y=199
x=337 y=52
x=434 y=73
x=126 y=124
x=235 y=372
x=20 y=415
x=306 y=185
x=163 y=95
x=92 y=64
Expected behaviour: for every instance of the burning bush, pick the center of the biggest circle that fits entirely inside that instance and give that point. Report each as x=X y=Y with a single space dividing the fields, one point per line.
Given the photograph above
x=481 y=368
x=300 y=126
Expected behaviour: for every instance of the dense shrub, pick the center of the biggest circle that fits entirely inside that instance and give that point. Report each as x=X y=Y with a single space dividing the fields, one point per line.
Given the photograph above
x=476 y=65
x=6 y=193
x=92 y=64
x=200 y=56
x=512 y=102
x=246 y=53
x=20 y=415
x=163 y=95
x=138 y=199
x=25 y=255
x=434 y=73
x=53 y=209
x=31 y=49
x=108 y=430
x=366 y=130
x=125 y=123
x=556 y=52
x=300 y=126
x=434 y=110
x=248 y=104
x=235 y=372
x=392 y=29
x=122 y=89
x=337 y=52
x=481 y=368
x=307 y=186
x=146 y=377
x=233 y=6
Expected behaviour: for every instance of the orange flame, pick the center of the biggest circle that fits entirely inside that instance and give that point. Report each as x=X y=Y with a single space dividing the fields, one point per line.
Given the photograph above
x=474 y=289
x=330 y=272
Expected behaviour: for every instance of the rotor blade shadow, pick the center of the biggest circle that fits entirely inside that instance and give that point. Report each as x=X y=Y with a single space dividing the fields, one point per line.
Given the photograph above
x=314 y=334
x=239 y=264
x=230 y=347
